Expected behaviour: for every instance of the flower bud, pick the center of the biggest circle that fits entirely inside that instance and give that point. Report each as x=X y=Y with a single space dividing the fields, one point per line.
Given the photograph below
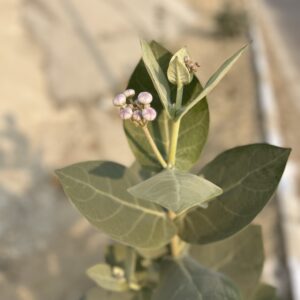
x=149 y=114
x=119 y=100
x=129 y=93
x=145 y=98
x=126 y=113
x=137 y=115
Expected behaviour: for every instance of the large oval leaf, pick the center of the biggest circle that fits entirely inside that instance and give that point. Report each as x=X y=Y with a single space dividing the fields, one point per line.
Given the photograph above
x=176 y=190
x=248 y=176
x=194 y=126
x=186 y=279
x=240 y=257
x=99 y=191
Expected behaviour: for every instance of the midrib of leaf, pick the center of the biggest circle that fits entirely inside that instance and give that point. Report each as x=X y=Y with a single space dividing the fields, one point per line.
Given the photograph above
x=189 y=277
x=120 y=201
x=177 y=188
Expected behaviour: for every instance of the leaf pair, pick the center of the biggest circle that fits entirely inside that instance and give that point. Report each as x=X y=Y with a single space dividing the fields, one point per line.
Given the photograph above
x=178 y=73
x=193 y=129
x=248 y=176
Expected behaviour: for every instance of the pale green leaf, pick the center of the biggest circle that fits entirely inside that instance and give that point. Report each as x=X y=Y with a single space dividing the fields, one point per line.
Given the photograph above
x=98 y=189
x=248 y=176
x=186 y=279
x=157 y=76
x=214 y=80
x=153 y=253
x=194 y=126
x=178 y=72
x=105 y=277
x=240 y=257
x=176 y=190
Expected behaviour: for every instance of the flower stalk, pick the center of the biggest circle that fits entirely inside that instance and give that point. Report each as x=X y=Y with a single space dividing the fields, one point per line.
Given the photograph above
x=154 y=147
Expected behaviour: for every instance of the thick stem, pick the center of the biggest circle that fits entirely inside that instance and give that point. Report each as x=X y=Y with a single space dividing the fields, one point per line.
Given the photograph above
x=154 y=147
x=174 y=244
x=173 y=144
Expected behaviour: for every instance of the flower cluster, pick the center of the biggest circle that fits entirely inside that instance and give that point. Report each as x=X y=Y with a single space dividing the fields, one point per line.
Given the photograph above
x=139 y=110
x=192 y=66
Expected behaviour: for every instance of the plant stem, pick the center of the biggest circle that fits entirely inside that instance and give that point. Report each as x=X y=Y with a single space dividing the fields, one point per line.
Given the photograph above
x=174 y=244
x=173 y=144
x=179 y=96
x=154 y=147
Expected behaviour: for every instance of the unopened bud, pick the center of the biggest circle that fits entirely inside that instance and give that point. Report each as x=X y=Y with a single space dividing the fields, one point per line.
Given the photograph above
x=129 y=93
x=137 y=115
x=145 y=98
x=118 y=273
x=126 y=113
x=149 y=114
x=119 y=100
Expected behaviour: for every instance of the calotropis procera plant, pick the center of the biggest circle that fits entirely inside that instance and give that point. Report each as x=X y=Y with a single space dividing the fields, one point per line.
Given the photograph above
x=177 y=234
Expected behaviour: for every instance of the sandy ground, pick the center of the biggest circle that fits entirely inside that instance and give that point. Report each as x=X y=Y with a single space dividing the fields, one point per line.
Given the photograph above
x=45 y=244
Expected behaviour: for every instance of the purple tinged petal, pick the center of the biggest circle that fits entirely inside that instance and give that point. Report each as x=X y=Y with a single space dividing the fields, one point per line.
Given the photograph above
x=149 y=114
x=137 y=115
x=129 y=93
x=126 y=113
x=145 y=98
x=119 y=100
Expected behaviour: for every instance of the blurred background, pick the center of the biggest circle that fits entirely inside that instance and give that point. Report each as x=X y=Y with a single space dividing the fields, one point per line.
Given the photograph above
x=61 y=62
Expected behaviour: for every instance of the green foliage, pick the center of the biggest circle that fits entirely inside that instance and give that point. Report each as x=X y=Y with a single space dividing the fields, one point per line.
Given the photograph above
x=157 y=76
x=178 y=72
x=240 y=258
x=176 y=190
x=154 y=212
x=186 y=279
x=214 y=80
x=99 y=191
x=108 y=278
x=193 y=130
x=248 y=176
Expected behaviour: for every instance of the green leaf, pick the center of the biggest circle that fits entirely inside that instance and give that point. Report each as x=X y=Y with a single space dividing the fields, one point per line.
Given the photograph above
x=193 y=129
x=186 y=279
x=248 y=176
x=105 y=277
x=98 y=189
x=214 y=80
x=240 y=257
x=153 y=253
x=265 y=292
x=177 y=72
x=157 y=76
x=176 y=190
